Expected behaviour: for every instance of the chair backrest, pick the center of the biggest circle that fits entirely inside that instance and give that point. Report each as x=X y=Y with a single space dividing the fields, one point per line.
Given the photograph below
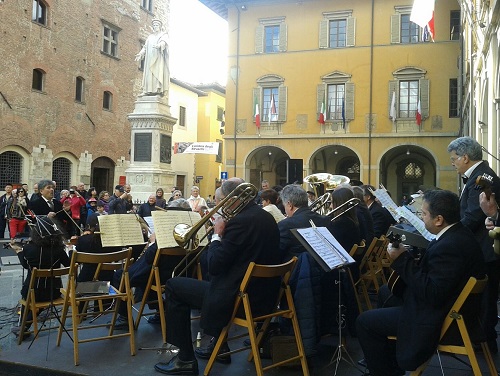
x=472 y=287
x=358 y=250
x=369 y=254
x=47 y=273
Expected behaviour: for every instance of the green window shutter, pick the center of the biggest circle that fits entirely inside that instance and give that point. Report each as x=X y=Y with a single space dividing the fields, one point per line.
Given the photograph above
x=257 y=95
x=351 y=32
x=395 y=28
x=320 y=96
x=282 y=105
x=283 y=36
x=349 y=101
x=424 y=97
x=259 y=39
x=393 y=87
x=323 y=34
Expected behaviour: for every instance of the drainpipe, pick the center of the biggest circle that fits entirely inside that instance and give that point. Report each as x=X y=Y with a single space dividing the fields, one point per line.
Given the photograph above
x=237 y=84
x=371 y=98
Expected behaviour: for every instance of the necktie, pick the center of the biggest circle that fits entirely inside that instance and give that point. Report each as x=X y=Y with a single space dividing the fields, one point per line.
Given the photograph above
x=51 y=204
x=464 y=179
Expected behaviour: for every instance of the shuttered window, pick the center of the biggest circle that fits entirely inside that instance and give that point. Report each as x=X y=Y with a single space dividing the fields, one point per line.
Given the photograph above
x=271 y=35
x=337 y=30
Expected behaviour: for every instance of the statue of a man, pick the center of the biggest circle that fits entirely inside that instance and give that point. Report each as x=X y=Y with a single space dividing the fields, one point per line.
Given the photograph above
x=156 y=76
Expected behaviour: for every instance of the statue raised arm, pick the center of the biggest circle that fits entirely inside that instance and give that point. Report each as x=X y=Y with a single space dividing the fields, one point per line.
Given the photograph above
x=156 y=75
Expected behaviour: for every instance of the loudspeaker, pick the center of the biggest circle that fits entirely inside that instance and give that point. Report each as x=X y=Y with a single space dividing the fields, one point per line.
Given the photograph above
x=294 y=171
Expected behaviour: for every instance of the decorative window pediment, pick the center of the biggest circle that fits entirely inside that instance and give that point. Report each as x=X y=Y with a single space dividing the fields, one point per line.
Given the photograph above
x=270 y=80
x=409 y=73
x=336 y=77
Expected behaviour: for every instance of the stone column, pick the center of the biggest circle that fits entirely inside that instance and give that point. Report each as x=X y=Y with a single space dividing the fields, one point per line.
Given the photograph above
x=151 y=147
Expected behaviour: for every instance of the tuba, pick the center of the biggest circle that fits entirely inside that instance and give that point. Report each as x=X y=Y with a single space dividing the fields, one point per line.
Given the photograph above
x=322 y=183
x=187 y=236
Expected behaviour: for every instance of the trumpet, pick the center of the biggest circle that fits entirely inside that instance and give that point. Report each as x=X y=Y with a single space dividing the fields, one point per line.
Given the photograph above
x=344 y=208
x=187 y=236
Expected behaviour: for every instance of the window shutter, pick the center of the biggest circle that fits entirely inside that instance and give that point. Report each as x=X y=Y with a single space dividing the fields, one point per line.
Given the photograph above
x=257 y=95
x=323 y=34
x=259 y=39
x=393 y=87
x=424 y=97
x=282 y=97
x=283 y=36
x=320 y=96
x=349 y=101
x=351 y=32
x=395 y=28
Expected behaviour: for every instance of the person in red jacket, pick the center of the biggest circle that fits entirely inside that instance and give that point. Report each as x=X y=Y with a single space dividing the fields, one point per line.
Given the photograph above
x=75 y=202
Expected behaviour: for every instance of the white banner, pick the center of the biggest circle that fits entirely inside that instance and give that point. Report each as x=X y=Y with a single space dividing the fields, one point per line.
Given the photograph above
x=196 y=148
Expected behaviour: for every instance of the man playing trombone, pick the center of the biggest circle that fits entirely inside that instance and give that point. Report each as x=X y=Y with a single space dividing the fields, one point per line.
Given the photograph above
x=251 y=235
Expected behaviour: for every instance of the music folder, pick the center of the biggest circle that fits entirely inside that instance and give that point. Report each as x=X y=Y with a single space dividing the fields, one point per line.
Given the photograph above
x=323 y=247
x=93 y=288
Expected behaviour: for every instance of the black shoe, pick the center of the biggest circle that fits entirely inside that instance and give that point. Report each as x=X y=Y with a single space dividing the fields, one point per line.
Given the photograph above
x=362 y=363
x=206 y=352
x=154 y=319
x=178 y=367
x=121 y=323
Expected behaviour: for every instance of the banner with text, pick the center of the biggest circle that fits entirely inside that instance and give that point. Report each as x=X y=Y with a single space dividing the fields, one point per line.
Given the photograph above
x=196 y=148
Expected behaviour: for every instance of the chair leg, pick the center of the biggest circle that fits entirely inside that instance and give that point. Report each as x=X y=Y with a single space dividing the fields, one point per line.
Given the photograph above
x=489 y=359
x=298 y=336
x=23 y=322
x=222 y=338
x=63 y=323
x=421 y=369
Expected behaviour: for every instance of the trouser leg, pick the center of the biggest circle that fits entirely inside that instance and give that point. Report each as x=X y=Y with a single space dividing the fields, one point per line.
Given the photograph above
x=373 y=327
x=182 y=295
x=490 y=298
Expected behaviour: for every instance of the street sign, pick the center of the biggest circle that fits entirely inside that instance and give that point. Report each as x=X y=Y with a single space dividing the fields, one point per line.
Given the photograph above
x=223 y=175
x=199 y=177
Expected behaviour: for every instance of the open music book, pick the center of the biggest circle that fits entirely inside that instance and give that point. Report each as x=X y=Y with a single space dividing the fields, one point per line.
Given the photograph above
x=165 y=222
x=120 y=230
x=323 y=247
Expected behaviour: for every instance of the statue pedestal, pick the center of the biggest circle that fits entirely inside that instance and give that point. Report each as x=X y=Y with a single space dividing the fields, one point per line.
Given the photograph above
x=151 y=147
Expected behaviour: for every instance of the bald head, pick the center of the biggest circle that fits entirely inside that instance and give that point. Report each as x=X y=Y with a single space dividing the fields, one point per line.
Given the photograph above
x=230 y=184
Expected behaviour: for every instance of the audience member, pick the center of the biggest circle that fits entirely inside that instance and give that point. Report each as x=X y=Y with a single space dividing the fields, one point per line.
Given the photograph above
x=195 y=200
x=269 y=197
x=160 y=199
x=17 y=206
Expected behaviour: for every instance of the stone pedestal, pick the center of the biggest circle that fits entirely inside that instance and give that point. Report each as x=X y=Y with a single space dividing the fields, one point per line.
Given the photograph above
x=151 y=150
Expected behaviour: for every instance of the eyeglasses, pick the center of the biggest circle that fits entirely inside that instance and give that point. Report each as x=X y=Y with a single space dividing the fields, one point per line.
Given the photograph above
x=177 y=195
x=453 y=159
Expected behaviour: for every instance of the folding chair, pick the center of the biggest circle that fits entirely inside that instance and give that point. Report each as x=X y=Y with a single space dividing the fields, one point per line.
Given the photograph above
x=243 y=301
x=465 y=347
x=373 y=267
x=30 y=304
x=154 y=284
x=357 y=252
x=121 y=295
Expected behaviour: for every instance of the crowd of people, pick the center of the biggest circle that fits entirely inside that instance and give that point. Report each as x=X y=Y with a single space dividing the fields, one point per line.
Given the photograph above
x=261 y=232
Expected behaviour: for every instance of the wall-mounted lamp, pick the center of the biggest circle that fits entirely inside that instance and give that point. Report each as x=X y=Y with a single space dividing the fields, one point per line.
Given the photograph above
x=482 y=25
x=243 y=8
x=86 y=153
x=42 y=148
x=408 y=151
x=482 y=123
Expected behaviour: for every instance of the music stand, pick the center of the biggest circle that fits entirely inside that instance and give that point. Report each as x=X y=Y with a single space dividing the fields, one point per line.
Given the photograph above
x=45 y=227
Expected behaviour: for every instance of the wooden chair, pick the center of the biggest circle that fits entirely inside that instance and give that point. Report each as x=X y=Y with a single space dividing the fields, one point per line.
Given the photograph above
x=30 y=305
x=154 y=284
x=465 y=347
x=374 y=271
x=357 y=252
x=122 y=295
x=258 y=272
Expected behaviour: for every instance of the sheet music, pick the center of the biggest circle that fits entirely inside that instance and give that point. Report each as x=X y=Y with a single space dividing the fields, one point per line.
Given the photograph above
x=120 y=230
x=165 y=222
x=416 y=222
x=387 y=202
x=149 y=221
x=322 y=241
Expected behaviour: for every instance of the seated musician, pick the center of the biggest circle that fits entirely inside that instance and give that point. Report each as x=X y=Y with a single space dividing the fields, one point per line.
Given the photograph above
x=432 y=287
x=45 y=250
x=139 y=272
x=251 y=235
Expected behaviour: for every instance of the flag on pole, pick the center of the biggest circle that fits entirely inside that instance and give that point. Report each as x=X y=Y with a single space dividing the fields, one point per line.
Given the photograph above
x=256 y=114
x=343 y=113
x=322 y=114
x=422 y=14
x=272 y=110
x=392 y=112
x=418 y=116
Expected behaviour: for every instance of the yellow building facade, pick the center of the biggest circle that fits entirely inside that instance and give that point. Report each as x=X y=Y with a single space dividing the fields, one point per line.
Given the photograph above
x=289 y=59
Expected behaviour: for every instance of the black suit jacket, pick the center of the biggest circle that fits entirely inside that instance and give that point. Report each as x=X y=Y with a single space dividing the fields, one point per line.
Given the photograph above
x=252 y=235
x=382 y=219
x=471 y=213
x=40 y=207
x=432 y=288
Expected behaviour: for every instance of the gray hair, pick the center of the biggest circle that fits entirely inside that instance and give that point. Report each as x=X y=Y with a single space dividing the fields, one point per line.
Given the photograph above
x=43 y=183
x=179 y=203
x=295 y=195
x=466 y=145
x=229 y=185
x=218 y=194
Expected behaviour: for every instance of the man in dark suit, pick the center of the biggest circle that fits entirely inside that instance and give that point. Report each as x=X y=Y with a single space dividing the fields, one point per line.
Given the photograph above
x=382 y=219
x=466 y=156
x=46 y=205
x=252 y=235
x=431 y=289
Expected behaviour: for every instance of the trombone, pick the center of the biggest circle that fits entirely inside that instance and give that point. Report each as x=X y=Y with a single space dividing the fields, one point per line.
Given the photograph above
x=187 y=236
x=344 y=208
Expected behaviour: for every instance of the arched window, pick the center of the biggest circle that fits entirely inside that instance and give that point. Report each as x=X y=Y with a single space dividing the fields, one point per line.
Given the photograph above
x=413 y=171
x=38 y=78
x=349 y=167
x=107 y=100
x=39 y=14
x=61 y=172
x=11 y=164
x=80 y=86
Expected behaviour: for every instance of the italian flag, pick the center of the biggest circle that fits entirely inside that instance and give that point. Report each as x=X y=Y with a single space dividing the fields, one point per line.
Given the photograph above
x=418 y=116
x=257 y=114
x=322 y=114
